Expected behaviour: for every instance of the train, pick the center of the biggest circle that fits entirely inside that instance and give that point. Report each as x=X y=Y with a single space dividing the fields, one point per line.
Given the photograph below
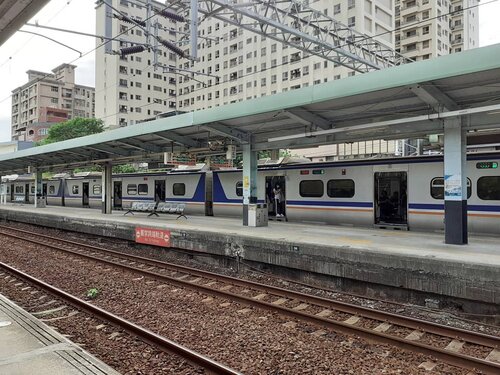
x=400 y=192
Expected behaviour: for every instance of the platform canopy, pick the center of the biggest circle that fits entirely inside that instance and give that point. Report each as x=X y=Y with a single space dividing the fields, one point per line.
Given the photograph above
x=15 y=13
x=407 y=101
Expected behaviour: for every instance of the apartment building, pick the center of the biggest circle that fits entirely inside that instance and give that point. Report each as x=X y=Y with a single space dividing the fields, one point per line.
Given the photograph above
x=247 y=65
x=130 y=89
x=49 y=98
x=431 y=28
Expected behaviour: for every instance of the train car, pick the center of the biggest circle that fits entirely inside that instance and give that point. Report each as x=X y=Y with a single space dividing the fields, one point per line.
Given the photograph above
x=82 y=190
x=19 y=188
x=404 y=192
x=130 y=187
x=191 y=185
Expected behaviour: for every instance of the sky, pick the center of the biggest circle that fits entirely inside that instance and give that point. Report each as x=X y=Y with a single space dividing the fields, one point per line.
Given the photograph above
x=23 y=52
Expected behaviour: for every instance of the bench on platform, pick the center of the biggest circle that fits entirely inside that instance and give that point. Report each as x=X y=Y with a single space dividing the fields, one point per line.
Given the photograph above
x=155 y=208
x=19 y=199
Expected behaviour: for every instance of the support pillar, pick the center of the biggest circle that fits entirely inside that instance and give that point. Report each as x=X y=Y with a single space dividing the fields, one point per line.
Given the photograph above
x=455 y=182
x=107 y=188
x=249 y=179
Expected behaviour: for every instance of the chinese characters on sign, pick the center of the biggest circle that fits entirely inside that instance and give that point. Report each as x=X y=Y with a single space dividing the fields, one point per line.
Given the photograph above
x=152 y=236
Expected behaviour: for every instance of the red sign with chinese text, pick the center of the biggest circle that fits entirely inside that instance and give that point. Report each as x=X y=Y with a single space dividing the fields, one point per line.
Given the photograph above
x=152 y=236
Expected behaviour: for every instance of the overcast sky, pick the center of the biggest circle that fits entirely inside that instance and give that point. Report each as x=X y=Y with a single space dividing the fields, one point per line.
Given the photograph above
x=23 y=52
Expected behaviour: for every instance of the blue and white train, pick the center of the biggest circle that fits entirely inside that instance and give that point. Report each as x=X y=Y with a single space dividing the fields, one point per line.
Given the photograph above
x=401 y=192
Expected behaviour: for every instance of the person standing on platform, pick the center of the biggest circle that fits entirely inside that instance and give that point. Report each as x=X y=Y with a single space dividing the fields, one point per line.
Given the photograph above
x=278 y=199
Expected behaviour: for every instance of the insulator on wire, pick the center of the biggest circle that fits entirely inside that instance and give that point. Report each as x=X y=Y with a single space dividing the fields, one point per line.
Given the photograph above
x=130 y=20
x=131 y=50
x=172 y=47
x=173 y=16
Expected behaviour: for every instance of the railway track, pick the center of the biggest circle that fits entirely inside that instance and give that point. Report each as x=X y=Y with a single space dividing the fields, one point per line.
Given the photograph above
x=447 y=344
x=141 y=333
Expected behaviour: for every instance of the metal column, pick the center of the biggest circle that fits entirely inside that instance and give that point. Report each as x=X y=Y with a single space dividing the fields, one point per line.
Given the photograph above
x=107 y=188
x=249 y=179
x=455 y=182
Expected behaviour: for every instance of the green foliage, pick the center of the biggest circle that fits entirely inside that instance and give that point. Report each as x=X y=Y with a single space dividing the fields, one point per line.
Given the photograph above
x=77 y=127
x=125 y=168
x=92 y=293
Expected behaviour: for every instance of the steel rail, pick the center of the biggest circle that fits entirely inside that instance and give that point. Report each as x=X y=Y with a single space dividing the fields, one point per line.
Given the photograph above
x=397 y=319
x=453 y=358
x=144 y=334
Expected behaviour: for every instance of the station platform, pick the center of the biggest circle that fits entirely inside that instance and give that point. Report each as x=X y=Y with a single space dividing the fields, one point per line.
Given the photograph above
x=374 y=262
x=28 y=346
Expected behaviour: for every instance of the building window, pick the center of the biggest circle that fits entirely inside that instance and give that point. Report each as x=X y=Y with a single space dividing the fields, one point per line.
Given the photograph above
x=311 y=188
x=179 y=189
x=488 y=188
x=351 y=21
x=131 y=189
x=343 y=188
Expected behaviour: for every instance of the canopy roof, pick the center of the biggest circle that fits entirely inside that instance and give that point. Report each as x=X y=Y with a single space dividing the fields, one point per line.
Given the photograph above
x=401 y=102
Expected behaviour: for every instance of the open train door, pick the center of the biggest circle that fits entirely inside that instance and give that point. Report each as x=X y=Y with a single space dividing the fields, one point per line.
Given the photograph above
x=85 y=194
x=276 y=207
x=117 y=195
x=27 y=193
x=391 y=199
x=44 y=192
x=160 y=191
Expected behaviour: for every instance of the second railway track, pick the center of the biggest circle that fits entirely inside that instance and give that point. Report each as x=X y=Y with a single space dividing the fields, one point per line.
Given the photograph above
x=337 y=316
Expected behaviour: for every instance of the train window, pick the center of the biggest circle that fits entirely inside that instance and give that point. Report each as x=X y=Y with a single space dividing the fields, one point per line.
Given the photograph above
x=75 y=189
x=143 y=189
x=239 y=188
x=32 y=189
x=437 y=188
x=131 y=189
x=8 y=189
x=19 y=189
x=488 y=188
x=340 y=188
x=179 y=189
x=96 y=189
x=52 y=189
x=311 y=188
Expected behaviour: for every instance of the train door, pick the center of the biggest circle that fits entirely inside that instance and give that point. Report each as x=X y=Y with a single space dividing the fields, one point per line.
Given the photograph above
x=85 y=194
x=117 y=195
x=391 y=200
x=27 y=193
x=160 y=191
x=44 y=192
x=276 y=196
x=12 y=192
x=209 y=193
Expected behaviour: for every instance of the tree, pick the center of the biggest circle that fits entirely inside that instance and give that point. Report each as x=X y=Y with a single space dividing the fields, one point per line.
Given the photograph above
x=77 y=127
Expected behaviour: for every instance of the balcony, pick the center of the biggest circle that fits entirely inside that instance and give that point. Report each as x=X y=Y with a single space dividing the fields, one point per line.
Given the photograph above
x=457 y=41
x=410 y=20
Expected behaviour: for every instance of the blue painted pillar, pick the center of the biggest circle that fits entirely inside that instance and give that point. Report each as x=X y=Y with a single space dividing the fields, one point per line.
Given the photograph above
x=455 y=182
x=249 y=179
x=107 y=188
